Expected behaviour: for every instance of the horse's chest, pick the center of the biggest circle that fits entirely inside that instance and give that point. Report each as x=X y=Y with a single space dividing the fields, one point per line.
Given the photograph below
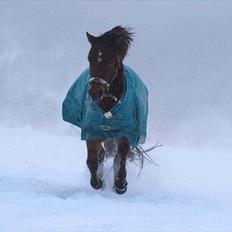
x=107 y=104
x=117 y=90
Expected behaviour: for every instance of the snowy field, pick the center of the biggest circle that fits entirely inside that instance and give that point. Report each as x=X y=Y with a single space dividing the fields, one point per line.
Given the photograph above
x=45 y=187
x=182 y=51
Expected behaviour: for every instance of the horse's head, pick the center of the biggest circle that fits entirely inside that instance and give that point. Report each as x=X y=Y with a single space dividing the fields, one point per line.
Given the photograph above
x=105 y=59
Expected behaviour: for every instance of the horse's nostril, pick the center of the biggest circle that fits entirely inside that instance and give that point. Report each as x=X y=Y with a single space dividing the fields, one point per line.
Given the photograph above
x=96 y=95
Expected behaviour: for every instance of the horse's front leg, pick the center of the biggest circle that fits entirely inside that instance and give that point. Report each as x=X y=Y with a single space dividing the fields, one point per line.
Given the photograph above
x=120 y=182
x=95 y=152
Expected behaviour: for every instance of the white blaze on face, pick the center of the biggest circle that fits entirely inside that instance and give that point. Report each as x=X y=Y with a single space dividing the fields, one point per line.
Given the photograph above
x=99 y=57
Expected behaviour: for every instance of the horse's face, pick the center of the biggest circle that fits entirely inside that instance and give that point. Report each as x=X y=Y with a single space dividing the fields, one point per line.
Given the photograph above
x=103 y=64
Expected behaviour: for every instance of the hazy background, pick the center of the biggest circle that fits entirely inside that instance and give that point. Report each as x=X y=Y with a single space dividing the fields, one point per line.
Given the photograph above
x=182 y=51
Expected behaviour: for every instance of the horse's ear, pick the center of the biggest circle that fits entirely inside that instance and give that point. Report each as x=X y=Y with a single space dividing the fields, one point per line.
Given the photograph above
x=92 y=39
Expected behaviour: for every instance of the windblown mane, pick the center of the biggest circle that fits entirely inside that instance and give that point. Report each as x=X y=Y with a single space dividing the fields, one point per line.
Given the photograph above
x=119 y=38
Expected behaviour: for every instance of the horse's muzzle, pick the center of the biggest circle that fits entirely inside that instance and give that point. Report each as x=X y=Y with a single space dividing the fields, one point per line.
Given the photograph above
x=96 y=96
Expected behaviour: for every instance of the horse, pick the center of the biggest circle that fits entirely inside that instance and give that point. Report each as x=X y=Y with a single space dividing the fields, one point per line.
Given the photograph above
x=108 y=83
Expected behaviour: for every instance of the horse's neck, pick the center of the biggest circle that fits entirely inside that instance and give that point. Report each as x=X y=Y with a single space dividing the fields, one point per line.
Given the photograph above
x=116 y=89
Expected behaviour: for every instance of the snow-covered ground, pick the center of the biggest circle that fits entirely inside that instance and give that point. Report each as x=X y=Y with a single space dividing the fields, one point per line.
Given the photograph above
x=44 y=186
x=182 y=51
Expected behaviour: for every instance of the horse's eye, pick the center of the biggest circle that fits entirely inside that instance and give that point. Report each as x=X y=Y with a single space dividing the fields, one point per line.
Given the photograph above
x=111 y=62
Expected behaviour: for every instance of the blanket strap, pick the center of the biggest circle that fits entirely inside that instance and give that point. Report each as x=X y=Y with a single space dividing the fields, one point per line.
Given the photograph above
x=114 y=98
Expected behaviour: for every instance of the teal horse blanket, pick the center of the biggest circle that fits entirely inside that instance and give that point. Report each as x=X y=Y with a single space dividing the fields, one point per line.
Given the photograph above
x=127 y=118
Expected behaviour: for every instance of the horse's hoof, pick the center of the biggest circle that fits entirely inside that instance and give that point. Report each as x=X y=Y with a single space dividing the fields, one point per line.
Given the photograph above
x=120 y=191
x=96 y=183
x=120 y=188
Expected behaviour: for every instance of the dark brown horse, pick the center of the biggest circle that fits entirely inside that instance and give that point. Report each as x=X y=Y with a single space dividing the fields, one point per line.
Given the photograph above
x=106 y=87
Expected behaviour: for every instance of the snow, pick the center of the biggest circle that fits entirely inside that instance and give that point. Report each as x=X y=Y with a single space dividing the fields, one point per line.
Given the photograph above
x=182 y=51
x=45 y=187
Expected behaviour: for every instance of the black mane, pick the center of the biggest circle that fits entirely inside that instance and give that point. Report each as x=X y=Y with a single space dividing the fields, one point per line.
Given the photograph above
x=119 y=38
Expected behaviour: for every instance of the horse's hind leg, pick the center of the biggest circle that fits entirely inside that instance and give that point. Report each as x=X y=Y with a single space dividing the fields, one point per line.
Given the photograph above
x=120 y=182
x=95 y=157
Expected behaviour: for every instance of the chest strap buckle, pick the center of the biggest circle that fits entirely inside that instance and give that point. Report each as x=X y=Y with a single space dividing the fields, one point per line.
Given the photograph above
x=105 y=127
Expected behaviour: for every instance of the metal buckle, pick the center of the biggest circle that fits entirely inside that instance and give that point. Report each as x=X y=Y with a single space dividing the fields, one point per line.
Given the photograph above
x=105 y=127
